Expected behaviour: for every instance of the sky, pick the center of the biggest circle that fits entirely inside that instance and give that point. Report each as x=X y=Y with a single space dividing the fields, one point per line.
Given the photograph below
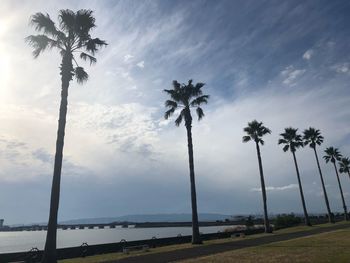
x=285 y=63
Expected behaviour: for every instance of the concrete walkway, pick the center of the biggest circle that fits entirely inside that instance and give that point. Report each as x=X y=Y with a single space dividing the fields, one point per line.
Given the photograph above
x=200 y=251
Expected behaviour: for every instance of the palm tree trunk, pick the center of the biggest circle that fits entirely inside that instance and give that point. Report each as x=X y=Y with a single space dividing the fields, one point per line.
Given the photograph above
x=341 y=193
x=195 y=226
x=330 y=215
x=49 y=255
x=307 y=220
x=263 y=190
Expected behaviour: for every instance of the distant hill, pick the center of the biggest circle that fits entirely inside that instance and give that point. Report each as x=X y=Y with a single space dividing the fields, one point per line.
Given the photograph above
x=147 y=218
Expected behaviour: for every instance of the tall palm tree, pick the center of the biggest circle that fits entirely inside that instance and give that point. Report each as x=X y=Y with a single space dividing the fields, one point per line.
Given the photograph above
x=313 y=137
x=333 y=155
x=344 y=164
x=255 y=131
x=292 y=141
x=71 y=38
x=184 y=97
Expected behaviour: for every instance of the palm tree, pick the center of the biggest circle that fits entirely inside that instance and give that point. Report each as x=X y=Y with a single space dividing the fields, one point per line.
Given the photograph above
x=292 y=141
x=255 y=131
x=184 y=97
x=333 y=155
x=313 y=137
x=72 y=37
x=344 y=164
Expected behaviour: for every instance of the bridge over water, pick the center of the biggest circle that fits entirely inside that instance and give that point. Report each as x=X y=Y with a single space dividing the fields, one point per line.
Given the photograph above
x=65 y=227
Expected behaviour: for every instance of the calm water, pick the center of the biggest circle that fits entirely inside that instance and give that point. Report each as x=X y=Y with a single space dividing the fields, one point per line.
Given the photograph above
x=25 y=240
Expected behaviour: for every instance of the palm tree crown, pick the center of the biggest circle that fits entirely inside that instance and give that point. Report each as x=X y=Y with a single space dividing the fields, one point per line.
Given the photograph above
x=255 y=130
x=312 y=137
x=71 y=37
x=185 y=97
x=291 y=139
x=344 y=164
x=332 y=154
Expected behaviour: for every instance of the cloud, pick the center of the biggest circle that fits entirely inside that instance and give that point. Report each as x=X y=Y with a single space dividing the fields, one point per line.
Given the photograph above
x=291 y=75
x=277 y=188
x=141 y=64
x=343 y=68
x=308 y=54
x=128 y=58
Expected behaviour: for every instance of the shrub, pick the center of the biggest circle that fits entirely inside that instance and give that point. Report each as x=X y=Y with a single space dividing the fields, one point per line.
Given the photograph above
x=285 y=220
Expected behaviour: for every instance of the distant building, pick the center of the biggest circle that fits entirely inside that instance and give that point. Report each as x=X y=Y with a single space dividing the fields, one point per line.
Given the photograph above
x=1 y=223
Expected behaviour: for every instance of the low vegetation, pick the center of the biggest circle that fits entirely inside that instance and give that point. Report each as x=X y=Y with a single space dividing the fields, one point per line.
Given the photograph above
x=283 y=221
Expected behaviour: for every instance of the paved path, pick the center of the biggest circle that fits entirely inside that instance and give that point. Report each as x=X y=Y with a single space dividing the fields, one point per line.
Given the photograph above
x=200 y=251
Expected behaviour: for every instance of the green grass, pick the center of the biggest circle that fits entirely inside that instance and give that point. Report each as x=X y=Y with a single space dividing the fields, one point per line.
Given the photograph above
x=272 y=251
x=327 y=247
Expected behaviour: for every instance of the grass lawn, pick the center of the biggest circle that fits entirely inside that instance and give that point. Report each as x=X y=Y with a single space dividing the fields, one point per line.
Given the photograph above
x=326 y=247
x=297 y=250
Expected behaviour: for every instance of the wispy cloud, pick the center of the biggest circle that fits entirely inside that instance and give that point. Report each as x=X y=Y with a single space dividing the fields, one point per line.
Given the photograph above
x=141 y=64
x=343 y=68
x=291 y=75
x=308 y=54
x=276 y=188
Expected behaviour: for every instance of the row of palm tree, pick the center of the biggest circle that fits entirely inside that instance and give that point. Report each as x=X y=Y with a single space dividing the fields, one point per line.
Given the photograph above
x=72 y=38
x=293 y=141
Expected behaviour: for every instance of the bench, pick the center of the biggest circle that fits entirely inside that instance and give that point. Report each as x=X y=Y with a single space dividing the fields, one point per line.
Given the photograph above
x=135 y=248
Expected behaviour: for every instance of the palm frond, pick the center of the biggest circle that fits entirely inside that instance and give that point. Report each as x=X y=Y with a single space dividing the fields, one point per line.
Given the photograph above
x=344 y=165
x=85 y=57
x=40 y=43
x=327 y=158
x=246 y=138
x=80 y=75
x=181 y=95
x=66 y=18
x=282 y=141
x=332 y=154
x=181 y=117
x=256 y=130
x=84 y=21
x=286 y=148
x=170 y=103
x=93 y=45
x=42 y=22
x=265 y=130
x=312 y=137
x=169 y=112
x=291 y=138
x=176 y=84
x=178 y=120
x=200 y=113
x=200 y=100
x=175 y=94
x=195 y=90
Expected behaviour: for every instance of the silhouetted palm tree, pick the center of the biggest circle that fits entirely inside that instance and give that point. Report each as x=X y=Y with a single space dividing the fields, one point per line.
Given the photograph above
x=313 y=137
x=344 y=164
x=255 y=131
x=71 y=37
x=185 y=97
x=292 y=141
x=333 y=155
